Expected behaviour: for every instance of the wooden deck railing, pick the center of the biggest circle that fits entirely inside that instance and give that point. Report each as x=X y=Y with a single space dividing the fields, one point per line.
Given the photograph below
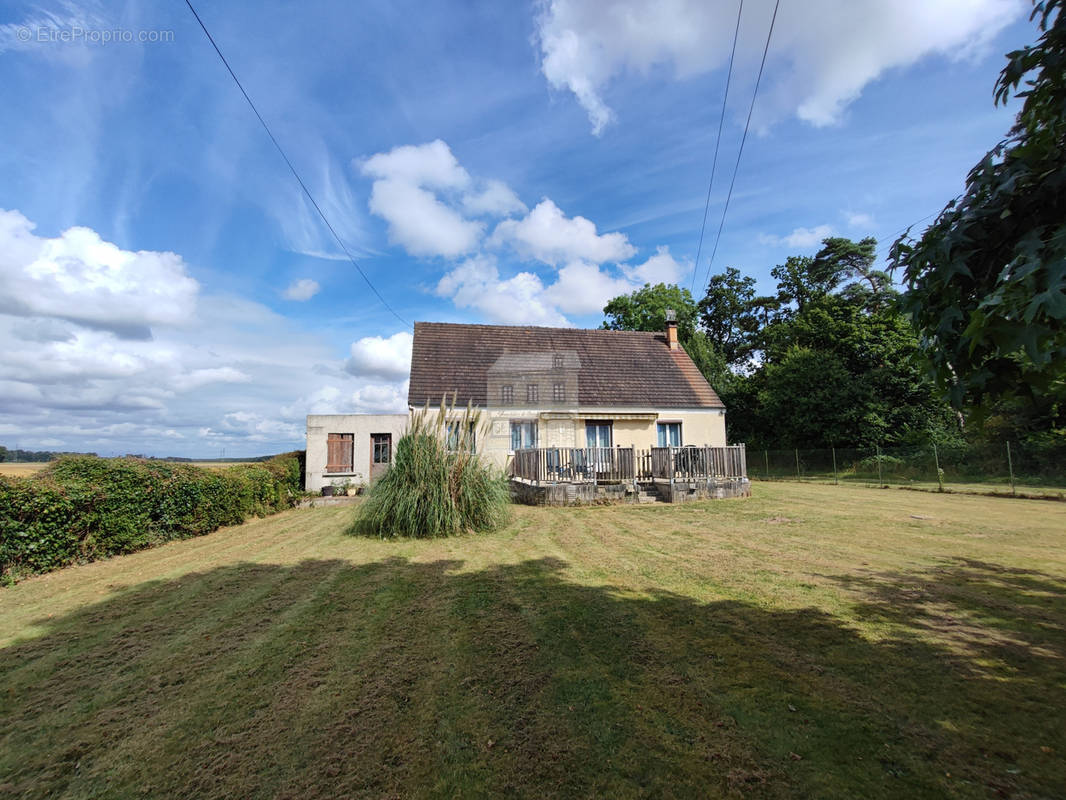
x=621 y=464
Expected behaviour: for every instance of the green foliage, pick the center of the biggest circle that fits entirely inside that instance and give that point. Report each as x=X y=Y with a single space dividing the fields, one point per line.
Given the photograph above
x=82 y=508
x=986 y=282
x=728 y=316
x=437 y=485
x=645 y=310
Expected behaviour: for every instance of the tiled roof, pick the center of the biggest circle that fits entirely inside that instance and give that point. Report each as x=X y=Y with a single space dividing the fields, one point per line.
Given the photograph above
x=613 y=368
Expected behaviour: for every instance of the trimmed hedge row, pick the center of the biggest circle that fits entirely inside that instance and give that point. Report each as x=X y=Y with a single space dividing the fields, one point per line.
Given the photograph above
x=83 y=508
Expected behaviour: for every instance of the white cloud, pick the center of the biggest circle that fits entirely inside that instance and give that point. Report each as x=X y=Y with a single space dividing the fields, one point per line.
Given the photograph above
x=418 y=220
x=584 y=289
x=494 y=198
x=859 y=220
x=301 y=290
x=235 y=374
x=78 y=276
x=378 y=357
x=547 y=235
x=380 y=398
x=518 y=300
x=432 y=165
x=803 y=238
x=421 y=223
x=823 y=54
x=660 y=268
x=198 y=378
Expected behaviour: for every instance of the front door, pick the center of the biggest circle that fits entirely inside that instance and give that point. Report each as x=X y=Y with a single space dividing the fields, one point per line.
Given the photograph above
x=380 y=454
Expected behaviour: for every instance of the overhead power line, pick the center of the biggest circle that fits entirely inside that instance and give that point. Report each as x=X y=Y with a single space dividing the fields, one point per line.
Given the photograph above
x=717 y=143
x=743 y=139
x=292 y=169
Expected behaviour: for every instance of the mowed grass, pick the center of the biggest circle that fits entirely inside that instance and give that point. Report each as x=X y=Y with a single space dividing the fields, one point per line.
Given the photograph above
x=813 y=641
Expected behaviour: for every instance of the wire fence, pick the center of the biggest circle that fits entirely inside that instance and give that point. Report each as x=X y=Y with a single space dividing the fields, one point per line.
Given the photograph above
x=1008 y=468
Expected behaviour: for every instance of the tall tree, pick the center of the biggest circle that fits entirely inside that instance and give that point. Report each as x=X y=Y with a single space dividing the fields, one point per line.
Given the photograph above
x=986 y=282
x=728 y=314
x=645 y=310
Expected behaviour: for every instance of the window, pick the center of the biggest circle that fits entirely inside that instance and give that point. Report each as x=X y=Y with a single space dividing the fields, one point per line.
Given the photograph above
x=532 y=393
x=456 y=440
x=559 y=392
x=557 y=360
x=598 y=434
x=339 y=452
x=507 y=393
x=381 y=447
x=669 y=434
x=523 y=435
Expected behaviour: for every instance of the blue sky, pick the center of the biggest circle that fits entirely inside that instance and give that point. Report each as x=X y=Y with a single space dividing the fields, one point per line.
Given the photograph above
x=168 y=290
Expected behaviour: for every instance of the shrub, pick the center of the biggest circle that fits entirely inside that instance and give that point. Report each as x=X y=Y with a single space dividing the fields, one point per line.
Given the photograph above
x=437 y=485
x=82 y=508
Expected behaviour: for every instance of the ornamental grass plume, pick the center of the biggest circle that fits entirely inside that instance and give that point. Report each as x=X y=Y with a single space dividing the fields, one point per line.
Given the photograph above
x=437 y=484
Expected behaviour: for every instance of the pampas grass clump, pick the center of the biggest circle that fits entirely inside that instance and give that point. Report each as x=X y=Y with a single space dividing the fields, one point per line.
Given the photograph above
x=437 y=485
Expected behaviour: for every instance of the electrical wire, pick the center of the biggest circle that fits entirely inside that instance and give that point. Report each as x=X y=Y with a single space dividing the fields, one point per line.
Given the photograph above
x=717 y=143
x=743 y=139
x=292 y=169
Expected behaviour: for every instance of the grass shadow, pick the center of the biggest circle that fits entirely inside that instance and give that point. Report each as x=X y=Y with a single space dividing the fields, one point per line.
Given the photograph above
x=397 y=678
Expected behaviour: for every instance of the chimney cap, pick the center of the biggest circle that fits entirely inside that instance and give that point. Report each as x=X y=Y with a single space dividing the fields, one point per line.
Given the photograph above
x=671 y=315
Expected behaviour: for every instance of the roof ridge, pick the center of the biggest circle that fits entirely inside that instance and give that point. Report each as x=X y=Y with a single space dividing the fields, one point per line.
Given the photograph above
x=535 y=327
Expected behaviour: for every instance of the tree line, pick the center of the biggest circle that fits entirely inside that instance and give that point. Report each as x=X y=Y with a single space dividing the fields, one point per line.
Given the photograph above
x=972 y=350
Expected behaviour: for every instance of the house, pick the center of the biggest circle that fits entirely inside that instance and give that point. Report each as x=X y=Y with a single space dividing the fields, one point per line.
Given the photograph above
x=554 y=391
x=567 y=387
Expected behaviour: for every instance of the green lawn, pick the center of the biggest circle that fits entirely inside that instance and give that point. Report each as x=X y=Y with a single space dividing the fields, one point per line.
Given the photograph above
x=814 y=641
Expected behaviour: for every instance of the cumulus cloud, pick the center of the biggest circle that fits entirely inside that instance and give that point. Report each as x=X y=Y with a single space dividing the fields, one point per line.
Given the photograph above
x=301 y=290
x=404 y=194
x=799 y=238
x=378 y=357
x=824 y=52
x=583 y=288
x=476 y=284
x=493 y=198
x=77 y=276
x=548 y=235
x=660 y=268
x=219 y=371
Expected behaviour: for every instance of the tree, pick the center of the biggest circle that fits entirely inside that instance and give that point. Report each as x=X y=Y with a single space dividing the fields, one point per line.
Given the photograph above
x=645 y=310
x=728 y=314
x=986 y=282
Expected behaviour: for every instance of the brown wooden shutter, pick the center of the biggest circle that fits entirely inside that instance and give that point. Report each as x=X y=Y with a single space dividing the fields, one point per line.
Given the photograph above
x=339 y=452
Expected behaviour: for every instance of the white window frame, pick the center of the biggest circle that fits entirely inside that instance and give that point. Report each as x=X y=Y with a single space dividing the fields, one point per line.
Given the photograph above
x=663 y=424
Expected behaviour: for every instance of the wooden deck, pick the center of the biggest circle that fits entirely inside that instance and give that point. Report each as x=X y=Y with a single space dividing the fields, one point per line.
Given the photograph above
x=604 y=465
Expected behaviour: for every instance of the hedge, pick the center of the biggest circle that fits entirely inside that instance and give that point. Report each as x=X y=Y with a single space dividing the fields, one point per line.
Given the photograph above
x=83 y=508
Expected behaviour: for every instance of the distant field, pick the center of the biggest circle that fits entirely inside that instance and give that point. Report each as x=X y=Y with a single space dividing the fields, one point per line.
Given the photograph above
x=813 y=641
x=23 y=468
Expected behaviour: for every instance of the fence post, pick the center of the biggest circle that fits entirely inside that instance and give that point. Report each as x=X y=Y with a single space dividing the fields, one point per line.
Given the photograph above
x=766 y=459
x=939 y=474
x=836 y=481
x=1010 y=468
x=797 y=464
x=880 y=478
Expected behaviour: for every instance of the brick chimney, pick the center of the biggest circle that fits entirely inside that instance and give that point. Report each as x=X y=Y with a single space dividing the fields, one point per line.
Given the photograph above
x=671 y=329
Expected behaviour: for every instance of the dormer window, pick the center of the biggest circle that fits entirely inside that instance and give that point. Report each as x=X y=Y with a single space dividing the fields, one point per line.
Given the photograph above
x=507 y=393
x=557 y=360
x=532 y=393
